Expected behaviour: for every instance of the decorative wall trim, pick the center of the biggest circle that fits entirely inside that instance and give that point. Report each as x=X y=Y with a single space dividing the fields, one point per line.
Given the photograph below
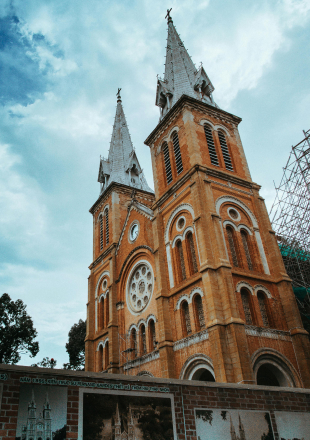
x=224 y=199
x=103 y=343
x=183 y=206
x=252 y=330
x=129 y=256
x=246 y=285
x=191 y=340
x=142 y=360
x=188 y=297
x=259 y=287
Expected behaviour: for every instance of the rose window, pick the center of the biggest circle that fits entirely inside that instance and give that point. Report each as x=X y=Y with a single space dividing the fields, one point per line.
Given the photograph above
x=140 y=287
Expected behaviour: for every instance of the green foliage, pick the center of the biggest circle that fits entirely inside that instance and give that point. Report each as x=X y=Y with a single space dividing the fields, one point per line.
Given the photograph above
x=76 y=346
x=60 y=434
x=205 y=415
x=46 y=363
x=224 y=415
x=17 y=333
x=156 y=423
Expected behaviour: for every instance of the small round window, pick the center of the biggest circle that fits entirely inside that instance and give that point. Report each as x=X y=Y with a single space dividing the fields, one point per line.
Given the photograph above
x=104 y=284
x=181 y=223
x=233 y=214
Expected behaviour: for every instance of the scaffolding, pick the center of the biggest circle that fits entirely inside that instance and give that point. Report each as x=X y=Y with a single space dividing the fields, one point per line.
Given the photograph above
x=290 y=214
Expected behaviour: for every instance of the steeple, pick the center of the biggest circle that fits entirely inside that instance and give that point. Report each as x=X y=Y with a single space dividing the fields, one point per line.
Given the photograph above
x=122 y=165
x=181 y=76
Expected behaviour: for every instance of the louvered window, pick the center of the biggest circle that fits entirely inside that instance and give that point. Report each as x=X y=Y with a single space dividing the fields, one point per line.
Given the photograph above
x=107 y=236
x=192 y=254
x=211 y=146
x=152 y=335
x=133 y=343
x=106 y=354
x=231 y=242
x=180 y=258
x=245 y=243
x=101 y=232
x=200 y=319
x=177 y=153
x=246 y=307
x=262 y=307
x=107 y=310
x=186 y=319
x=142 y=340
x=167 y=164
x=225 y=152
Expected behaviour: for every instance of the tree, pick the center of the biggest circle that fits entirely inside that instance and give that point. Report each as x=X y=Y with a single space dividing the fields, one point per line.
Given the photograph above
x=17 y=333
x=46 y=363
x=76 y=346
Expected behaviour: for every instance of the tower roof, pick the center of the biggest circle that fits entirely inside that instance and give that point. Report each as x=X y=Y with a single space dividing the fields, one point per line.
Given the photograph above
x=181 y=76
x=122 y=165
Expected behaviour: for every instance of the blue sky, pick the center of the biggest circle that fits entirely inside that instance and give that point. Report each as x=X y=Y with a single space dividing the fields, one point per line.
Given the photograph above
x=61 y=62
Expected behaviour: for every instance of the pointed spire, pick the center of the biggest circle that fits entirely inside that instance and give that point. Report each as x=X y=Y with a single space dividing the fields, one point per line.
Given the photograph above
x=122 y=165
x=181 y=76
x=117 y=417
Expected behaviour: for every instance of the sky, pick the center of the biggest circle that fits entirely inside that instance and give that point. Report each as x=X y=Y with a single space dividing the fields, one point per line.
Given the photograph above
x=61 y=63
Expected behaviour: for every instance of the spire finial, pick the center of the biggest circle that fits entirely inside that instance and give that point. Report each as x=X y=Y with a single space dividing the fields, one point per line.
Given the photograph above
x=118 y=94
x=169 y=19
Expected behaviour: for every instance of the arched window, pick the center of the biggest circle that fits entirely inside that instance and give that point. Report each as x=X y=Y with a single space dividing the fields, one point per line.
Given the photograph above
x=211 y=146
x=180 y=260
x=191 y=253
x=198 y=312
x=142 y=340
x=107 y=307
x=100 y=360
x=152 y=335
x=246 y=247
x=106 y=355
x=107 y=236
x=177 y=153
x=225 y=151
x=101 y=232
x=133 y=343
x=167 y=164
x=101 y=313
x=186 y=321
x=245 y=297
x=263 y=309
x=232 y=245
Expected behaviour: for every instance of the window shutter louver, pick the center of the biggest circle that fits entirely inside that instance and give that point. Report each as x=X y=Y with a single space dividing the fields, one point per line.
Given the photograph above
x=167 y=164
x=211 y=146
x=177 y=153
x=225 y=152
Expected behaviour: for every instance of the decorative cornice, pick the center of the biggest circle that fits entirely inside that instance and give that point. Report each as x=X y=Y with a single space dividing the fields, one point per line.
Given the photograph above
x=190 y=340
x=192 y=103
x=102 y=256
x=141 y=360
x=271 y=333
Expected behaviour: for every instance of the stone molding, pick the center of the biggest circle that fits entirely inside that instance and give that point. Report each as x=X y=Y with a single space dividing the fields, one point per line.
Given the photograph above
x=191 y=340
x=142 y=360
x=252 y=330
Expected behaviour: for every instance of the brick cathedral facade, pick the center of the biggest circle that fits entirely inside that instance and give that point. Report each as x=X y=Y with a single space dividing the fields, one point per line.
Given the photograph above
x=189 y=282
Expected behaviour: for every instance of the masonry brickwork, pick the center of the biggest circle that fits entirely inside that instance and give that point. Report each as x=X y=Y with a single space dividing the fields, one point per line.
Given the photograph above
x=192 y=276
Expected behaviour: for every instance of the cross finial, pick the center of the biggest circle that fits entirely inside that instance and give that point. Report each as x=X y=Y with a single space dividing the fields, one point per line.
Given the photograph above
x=118 y=94
x=168 y=15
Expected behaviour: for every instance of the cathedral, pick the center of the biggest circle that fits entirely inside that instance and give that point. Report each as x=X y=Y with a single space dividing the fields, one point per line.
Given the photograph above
x=188 y=281
x=38 y=428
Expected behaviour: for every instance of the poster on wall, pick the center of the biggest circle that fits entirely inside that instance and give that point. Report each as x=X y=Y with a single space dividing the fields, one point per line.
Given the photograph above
x=125 y=416
x=293 y=425
x=217 y=424
x=42 y=412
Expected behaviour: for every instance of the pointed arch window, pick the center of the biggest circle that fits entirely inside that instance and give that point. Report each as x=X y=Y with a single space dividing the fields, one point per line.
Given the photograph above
x=192 y=261
x=245 y=297
x=198 y=312
x=180 y=260
x=225 y=151
x=133 y=343
x=186 y=321
x=232 y=245
x=101 y=316
x=152 y=335
x=246 y=247
x=211 y=146
x=106 y=355
x=107 y=235
x=177 y=152
x=263 y=309
x=107 y=307
x=101 y=232
x=142 y=340
x=167 y=164
x=100 y=360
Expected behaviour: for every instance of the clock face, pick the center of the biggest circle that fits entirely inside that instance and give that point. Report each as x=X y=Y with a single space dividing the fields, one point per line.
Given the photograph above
x=134 y=232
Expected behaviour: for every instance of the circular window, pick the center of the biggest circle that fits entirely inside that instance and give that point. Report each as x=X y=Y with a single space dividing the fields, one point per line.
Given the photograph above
x=104 y=284
x=140 y=287
x=233 y=214
x=134 y=232
x=181 y=223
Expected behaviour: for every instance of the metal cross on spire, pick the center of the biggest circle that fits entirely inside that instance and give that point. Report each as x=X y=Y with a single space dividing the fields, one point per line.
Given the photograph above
x=168 y=15
x=118 y=94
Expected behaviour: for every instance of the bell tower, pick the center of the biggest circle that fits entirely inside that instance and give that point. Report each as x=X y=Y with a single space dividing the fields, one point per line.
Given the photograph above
x=224 y=301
